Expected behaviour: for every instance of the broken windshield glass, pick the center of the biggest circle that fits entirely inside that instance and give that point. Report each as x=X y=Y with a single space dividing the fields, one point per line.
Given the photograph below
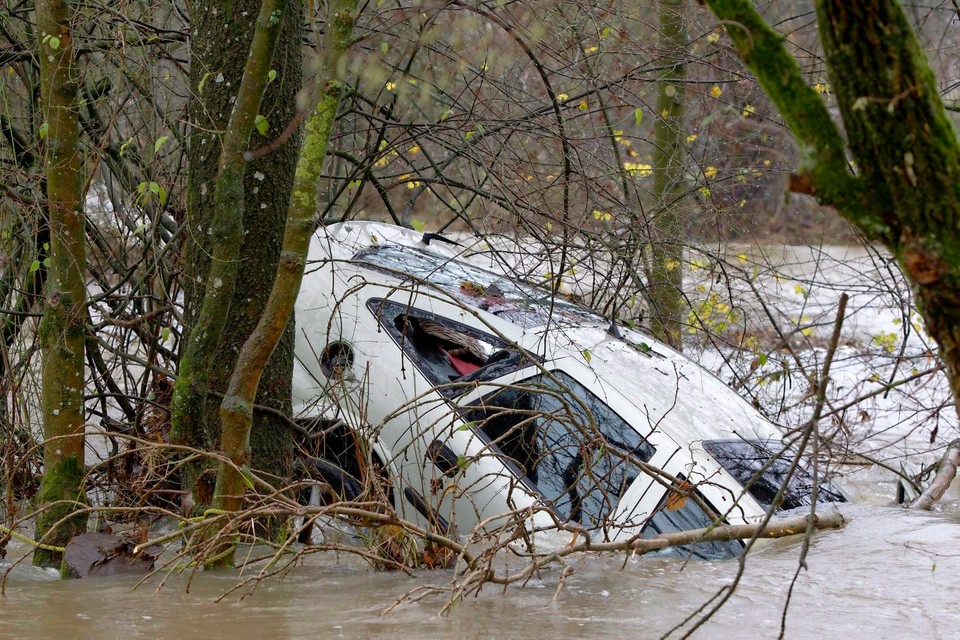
x=523 y=304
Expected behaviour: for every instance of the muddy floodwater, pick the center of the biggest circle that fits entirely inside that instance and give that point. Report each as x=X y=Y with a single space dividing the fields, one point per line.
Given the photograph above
x=889 y=573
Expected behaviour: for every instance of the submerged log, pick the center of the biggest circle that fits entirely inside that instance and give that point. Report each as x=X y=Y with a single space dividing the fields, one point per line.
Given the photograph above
x=941 y=482
x=103 y=554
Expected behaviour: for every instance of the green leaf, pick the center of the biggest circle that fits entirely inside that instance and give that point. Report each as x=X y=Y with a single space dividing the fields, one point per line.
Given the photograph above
x=271 y=76
x=162 y=140
x=51 y=41
x=44 y=130
x=643 y=347
x=762 y=359
x=123 y=147
x=418 y=226
x=34 y=265
x=202 y=81
x=384 y=47
x=466 y=426
x=605 y=32
x=463 y=462
x=154 y=187
x=638 y=115
x=165 y=333
x=247 y=476
x=261 y=124
x=586 y=355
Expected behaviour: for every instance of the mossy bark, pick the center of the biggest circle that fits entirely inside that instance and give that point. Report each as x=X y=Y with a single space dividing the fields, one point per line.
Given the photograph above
x=666 y=230
x=61 y=330
x=236 y=410
x=218 y=59
x=905 y=188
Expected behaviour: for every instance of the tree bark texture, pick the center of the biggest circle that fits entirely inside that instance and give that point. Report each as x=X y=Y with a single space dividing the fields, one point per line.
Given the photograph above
x=904 y=186
x=218 y=60
x=62 y=328
x=666 y=231
x=236 y=409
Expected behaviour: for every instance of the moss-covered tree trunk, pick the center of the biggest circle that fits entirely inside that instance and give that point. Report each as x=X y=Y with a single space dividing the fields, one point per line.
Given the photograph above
x=218 y=57
x=61 y=330
x=236 y=410
x=905 y=188
x=666 y=230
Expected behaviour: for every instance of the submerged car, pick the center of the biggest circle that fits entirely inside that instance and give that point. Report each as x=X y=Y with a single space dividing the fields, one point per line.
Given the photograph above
x=479 y=397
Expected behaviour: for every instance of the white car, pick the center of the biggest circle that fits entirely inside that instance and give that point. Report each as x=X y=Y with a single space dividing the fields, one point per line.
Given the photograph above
x=478 y=396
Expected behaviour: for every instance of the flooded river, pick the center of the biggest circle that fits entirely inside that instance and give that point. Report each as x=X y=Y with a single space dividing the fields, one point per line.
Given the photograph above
x=889 y=573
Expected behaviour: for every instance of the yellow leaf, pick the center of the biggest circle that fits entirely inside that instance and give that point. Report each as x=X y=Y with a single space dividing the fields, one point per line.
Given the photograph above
x=742 y=258
x=591 y=49
x=716 y=91
x=390 y=86
x=691 y=137
x=639 y=170
x=583 y=105
x=748 y=110
x=710 y=172
x=562 y=97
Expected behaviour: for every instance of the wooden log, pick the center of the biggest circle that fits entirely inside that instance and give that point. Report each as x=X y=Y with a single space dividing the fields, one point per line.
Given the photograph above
x=941 y=482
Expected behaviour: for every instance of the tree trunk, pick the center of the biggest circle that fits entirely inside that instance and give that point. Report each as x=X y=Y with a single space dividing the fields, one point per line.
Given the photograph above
x=236 y=410
x=905 y=188
x=61 y=330
x=216 y=71
x=666 y=241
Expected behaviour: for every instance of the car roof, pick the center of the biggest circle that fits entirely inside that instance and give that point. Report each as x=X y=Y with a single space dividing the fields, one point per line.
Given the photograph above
x=668 y=388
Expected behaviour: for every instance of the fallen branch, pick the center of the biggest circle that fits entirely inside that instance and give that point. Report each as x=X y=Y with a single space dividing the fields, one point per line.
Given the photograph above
x=940 y=484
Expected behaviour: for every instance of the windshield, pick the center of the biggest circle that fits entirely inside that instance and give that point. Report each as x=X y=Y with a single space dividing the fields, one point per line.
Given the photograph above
x=574 y=449
x=763 y=467
x=520 y=303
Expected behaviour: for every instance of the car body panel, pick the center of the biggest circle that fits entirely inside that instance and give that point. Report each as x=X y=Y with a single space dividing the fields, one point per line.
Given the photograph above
x=446 y=468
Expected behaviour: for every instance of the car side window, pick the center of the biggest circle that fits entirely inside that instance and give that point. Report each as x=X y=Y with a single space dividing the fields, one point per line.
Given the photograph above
x=568 y=444
x=445 y=351
x=679 y=511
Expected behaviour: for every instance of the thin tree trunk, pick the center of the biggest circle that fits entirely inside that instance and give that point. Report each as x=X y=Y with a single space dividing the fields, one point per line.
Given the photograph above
x=61 y=330
x=227 y=231
x=666 y=251
x=236 y=410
